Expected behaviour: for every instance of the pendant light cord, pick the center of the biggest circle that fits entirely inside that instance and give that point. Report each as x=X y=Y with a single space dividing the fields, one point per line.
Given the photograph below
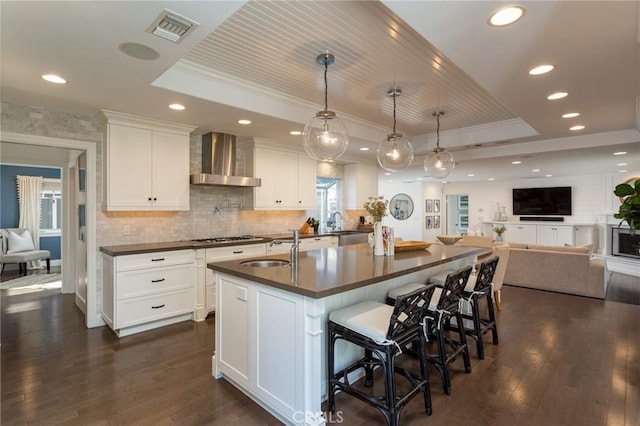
x=326 y=104
x=438 y=130
x=394 y=113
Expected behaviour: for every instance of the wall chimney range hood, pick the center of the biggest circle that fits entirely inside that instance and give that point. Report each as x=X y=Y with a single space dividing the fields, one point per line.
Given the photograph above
x=219 y=163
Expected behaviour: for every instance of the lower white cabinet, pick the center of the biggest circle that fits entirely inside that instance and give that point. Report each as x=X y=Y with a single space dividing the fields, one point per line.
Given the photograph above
x=145 y=291
x=222 y=254
x=554 y=235
x=517 y=233
x=547 y=234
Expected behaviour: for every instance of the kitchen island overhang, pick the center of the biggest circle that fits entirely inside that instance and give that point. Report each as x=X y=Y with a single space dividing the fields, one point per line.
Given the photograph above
x=271 y=321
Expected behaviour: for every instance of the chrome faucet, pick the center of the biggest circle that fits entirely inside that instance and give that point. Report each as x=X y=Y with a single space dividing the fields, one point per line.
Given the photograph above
x=295 y=246
x=335 y=221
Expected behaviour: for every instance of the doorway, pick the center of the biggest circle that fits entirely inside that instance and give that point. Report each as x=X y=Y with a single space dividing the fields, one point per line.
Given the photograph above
x=457 y=214
x=69 y=248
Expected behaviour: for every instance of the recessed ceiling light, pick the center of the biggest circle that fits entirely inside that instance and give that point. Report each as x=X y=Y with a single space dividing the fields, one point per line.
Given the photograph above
x=52 y=78
x=445 y=181
x=557 y=95
x=548 y=175
x=506 y=15
x=387 y=174
x=622 y=164
x=623 y=171
x=535 y=170
x=541 y=69
x=471 y=175
x=244 y=121
x=620 y=153
x=177 y=107
x=492 y=179
x=390 y=180
x=295 y=132
x=516 y=162
x=364 y=148
x=570 y=115
x=577 y=127
x=419 y=178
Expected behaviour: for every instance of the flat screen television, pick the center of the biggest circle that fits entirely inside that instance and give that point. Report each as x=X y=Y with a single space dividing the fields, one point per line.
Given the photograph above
x=554 y=201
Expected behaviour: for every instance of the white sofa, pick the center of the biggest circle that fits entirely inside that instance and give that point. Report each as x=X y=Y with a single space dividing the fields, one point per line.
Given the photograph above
x=570 y=270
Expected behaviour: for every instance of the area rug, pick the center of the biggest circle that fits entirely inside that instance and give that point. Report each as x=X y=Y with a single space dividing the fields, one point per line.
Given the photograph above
x=35 y=280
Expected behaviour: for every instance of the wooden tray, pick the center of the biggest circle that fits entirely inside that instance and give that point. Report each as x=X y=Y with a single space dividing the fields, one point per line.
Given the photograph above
x=411 y=245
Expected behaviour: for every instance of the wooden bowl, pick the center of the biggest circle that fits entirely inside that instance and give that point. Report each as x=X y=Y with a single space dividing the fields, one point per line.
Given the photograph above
x=449 y=239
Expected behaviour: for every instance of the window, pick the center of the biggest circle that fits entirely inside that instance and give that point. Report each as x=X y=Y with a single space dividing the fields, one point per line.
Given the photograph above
x=51 y=206
x=328 y=195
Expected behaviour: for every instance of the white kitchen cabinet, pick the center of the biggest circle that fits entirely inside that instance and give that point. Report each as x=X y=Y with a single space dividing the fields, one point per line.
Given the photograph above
x=145 y=164
x=516 y=233
x=145 y=291
x=582 y=235
x=360 y=183
x=554 y=235
x=221 y=254
x=288 y=180
x=315 y=243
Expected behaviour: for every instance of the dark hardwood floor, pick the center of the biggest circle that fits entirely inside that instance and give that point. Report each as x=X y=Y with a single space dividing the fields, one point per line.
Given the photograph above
x=562 y=360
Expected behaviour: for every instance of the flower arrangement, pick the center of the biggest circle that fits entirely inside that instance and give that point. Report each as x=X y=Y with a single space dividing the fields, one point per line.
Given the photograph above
x=499 y=229
x=376 y=207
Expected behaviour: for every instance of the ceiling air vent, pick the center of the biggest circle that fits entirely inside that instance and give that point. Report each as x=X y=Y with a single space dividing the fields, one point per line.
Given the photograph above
x=172 y=26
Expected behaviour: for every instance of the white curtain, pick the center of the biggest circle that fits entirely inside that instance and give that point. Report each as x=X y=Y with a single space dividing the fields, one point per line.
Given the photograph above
x=29 y=190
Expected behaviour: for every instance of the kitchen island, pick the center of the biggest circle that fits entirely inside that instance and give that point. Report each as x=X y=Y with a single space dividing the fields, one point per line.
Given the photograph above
x=271 y=321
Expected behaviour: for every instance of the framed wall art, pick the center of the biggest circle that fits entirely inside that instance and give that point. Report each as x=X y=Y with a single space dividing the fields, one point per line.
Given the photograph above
x=436 y=221
x=436 y=206
x=428 y=206
x=429 y=222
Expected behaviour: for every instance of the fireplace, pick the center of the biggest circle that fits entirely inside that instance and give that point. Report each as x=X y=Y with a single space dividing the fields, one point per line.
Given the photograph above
x=624 y=244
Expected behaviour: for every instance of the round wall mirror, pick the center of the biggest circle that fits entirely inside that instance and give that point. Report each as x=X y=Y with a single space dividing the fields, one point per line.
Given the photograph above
x=401 y=206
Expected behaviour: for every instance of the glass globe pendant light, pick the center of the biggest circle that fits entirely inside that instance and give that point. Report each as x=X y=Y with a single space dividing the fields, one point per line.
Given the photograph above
x=439 y=163
x=395 y=153
x=325 y=136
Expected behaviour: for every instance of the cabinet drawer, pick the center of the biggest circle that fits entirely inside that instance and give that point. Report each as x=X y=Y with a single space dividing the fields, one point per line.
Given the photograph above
x=150 y=308
x=220 y=254
x=154 y=260
x=148 y=281
x=314 y=243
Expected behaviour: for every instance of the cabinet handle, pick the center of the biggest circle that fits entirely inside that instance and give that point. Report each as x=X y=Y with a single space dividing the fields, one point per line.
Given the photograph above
x=318 y=239
x=158 y=307
x=238 y=251
x=159 y=259
x=149 y=198
x=155 y=199
x=157 y=281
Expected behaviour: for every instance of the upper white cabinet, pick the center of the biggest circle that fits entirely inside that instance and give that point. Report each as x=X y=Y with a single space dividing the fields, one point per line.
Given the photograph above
x=360 y=183
x=145 y=164
x=288 y=180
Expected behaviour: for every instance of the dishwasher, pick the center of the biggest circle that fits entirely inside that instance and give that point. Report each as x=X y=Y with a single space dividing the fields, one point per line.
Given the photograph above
x=348 y=239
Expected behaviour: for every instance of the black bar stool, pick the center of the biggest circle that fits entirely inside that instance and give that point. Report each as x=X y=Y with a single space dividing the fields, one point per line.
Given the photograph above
x=443 y=305
x=382 y=331
x=478 y=287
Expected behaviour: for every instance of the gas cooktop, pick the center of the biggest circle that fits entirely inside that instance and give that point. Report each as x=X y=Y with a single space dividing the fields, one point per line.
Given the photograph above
x=227 y=239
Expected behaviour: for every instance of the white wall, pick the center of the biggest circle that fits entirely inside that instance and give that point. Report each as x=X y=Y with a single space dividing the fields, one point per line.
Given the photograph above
x=411 y=228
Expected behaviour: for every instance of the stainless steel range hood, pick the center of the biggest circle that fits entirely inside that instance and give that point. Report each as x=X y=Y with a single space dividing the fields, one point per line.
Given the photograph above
x=219 y=163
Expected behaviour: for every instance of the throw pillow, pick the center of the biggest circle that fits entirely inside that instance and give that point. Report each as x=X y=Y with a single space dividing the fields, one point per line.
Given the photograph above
x=587 y=247
x=20 y=243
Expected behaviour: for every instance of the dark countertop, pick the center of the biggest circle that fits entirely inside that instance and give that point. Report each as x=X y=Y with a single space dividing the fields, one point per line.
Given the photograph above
x=323 y=272
x=126 y=249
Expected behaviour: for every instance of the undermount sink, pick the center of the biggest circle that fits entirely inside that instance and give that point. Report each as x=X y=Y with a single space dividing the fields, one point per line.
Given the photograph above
x=263 y=263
